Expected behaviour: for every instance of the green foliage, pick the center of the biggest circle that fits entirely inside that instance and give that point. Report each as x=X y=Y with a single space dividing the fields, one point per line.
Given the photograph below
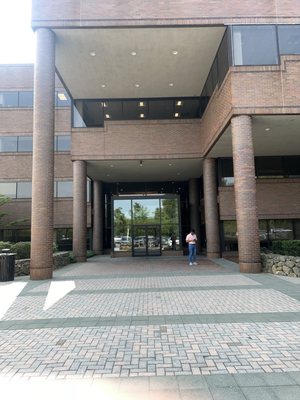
x=5 y=245
x=90 y=253
x=55 y=248
x=22 y=250
x=286 y=247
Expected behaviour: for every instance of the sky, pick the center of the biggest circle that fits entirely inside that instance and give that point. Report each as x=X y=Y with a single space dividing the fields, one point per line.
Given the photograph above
x=16 y=36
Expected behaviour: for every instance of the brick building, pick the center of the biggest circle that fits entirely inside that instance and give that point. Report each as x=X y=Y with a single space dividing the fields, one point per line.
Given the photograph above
x=165 y=116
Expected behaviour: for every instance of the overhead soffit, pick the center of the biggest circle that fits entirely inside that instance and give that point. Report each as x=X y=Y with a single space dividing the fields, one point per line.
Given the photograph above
x=155 y=68
x=273 y=135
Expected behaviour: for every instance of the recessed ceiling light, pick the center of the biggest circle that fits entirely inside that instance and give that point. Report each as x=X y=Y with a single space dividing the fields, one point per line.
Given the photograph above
x=111 y=165
x=179 y=103
x=176 y=115
x=142 y=115
x=92 y=53
x=107 y=116
x=141 y=104
x=170 y=165
x=133 y=53
x=175 y=52
x=103 y=85
x=137 y=85
x=171 y=84
x=62 y=96
x=267 y=129
x=104 y=104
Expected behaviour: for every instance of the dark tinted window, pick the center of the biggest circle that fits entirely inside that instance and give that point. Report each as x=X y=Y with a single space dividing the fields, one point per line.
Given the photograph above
x=8 y=143
x=25 y=143
x=291 y=166
x=8 y=99
x=289 y=39
x=26 y=99
x=255 y=45
x=269 y=166
x=223 y=59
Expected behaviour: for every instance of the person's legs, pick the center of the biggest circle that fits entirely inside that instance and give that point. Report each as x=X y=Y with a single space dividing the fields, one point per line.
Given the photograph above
x=190 y=254
x=194 y=254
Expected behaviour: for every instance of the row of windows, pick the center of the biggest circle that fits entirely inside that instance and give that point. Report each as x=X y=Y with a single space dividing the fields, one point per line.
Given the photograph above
x=21 y=144
x=25 y=99
x=23 y=190
x=265 y=167
x=251 y=45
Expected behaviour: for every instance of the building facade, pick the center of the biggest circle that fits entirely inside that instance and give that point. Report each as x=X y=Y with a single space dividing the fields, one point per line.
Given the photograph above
x=165 y=116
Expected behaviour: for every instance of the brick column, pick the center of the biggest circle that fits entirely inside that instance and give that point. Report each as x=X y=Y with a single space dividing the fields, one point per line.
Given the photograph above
x=194 y=205
x=41 y=264
x=211 y=208
x=245 y=194
x=79 y=210
x=98 y=220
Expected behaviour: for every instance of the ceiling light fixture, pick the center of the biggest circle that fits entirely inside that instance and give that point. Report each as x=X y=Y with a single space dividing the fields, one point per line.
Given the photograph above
x=107 y=116
x=179 y=103
x=137 y=85
x=141 y=104
x=92 y=53
x=142 y=115
x=176 y=115
x=104 y=104
x=175 y=52
x=171 y=84
x=62 y=96
x=141 y=163
x=103 y=85
x=267 y=129
x=133 y=53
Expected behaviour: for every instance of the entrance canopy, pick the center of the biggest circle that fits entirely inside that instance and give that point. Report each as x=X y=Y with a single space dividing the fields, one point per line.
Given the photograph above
x=136 y=62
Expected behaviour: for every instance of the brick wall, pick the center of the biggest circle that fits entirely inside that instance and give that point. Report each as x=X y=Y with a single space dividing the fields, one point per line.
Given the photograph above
x=155 y=12
x=276 y=198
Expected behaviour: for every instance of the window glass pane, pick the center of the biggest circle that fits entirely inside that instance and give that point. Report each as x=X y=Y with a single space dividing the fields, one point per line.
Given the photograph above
x=25 y=143
x=297 y=229
x=122 y=225
x=230 y=235
x=280 y=229
x=63 y=143
x=269 y=167
x=64 y=239
x=146 y=211
x=255 y=45
x=8 y=143
x=223 y=59
x=65 y=189
x=26 y=99
x=263 y=231
x=291 y=166
x=24 y=190
x=8 y=189
x=62 y=99
x=289 y=39
x=8 y=99
x=226 y=172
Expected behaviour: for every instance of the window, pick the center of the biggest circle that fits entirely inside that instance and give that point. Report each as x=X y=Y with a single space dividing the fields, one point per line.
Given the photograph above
x=63 y=143
x=281 y=229
x=24 y=190
x=26 y=99
x=8 y=99
x=289 y=39
x=269 y=167
x=8 y=144
x=8 y=189
x=62 y=99
x=25 y=143
x=254 y=45
x=225 y=168
x=64 y=189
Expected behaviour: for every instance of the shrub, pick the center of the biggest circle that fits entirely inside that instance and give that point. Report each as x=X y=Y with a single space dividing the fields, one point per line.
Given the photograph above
x=5 y=245
x=286 y=247
x=22 y=250
x=90 y=253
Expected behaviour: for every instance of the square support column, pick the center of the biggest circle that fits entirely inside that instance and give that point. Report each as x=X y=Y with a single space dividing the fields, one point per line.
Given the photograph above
x=79 y=210
x=211 y=208
x=245 y=194
x=41 y=265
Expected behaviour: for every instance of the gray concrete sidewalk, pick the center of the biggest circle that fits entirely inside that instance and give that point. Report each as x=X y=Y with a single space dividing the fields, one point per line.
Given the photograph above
x=129 y=328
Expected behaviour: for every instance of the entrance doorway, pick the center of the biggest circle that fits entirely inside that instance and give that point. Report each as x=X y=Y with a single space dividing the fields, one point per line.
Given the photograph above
x=146 y=240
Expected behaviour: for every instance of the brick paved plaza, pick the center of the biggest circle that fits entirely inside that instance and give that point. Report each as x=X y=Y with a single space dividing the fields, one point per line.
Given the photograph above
x=150 y=328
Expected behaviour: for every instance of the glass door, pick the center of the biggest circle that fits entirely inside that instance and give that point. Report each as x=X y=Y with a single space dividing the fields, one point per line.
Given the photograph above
x=146 y=240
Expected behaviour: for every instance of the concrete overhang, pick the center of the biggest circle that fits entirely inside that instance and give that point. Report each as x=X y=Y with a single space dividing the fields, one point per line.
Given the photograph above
x=129 y=63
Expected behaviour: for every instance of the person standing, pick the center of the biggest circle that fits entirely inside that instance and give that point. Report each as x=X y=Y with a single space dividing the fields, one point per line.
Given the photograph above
x=191 y=239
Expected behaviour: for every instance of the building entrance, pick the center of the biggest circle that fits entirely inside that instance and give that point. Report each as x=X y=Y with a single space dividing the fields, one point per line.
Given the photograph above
x=146 y=240
x=143 y=225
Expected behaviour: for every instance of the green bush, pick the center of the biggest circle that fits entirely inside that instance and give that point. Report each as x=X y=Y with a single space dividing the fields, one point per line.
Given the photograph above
x=22 y=250
x=5 y=245
x=90 y=253
x=286 y=247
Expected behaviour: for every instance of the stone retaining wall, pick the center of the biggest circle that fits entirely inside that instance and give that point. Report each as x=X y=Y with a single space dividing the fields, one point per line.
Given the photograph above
x=280 y=265
x=59 y=260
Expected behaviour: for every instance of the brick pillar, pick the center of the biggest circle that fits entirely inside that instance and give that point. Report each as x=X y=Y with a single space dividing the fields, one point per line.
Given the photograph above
x=41 y=264
x=211 y=208
x=194 y=205
x=98 y=220
x=245 y=194
x=79 y=210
